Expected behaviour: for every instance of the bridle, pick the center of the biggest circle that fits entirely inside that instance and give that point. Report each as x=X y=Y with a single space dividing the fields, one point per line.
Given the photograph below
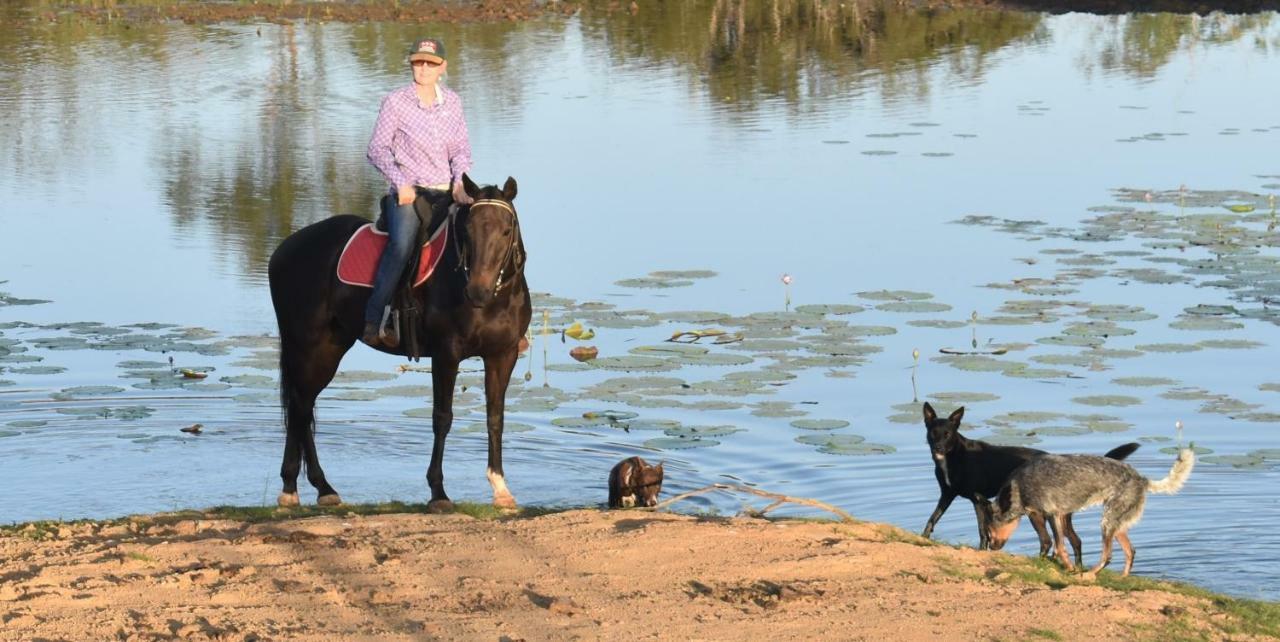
x=513 y=259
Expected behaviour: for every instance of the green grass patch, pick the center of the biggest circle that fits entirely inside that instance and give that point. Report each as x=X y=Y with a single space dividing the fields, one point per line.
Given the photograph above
x=47 y=529
x=141 y=557
x=1249 y=617
x=1048 y=634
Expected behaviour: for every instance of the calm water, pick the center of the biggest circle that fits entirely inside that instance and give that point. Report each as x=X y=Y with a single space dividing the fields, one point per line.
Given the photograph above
x=147 y=173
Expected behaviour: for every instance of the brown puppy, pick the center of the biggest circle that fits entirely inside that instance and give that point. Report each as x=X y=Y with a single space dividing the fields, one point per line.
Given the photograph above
x=632 y=482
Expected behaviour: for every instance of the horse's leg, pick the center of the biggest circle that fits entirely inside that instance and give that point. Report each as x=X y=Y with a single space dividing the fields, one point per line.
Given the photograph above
x=497 y=375
x=444 y=374
x=304 y=373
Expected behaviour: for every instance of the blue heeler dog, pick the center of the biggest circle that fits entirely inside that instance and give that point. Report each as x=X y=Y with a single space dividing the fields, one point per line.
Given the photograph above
x=970 y=468
x=1056 y=485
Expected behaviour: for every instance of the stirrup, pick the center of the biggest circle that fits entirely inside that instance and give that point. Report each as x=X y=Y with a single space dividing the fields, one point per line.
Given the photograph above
x=391 y=339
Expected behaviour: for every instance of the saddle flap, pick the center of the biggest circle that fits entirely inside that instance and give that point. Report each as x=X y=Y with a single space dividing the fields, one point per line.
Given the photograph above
x=359 y=261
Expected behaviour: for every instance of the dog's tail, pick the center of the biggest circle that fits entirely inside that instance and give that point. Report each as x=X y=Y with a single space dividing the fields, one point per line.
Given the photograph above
x=1177 y=475
x=1120 y=453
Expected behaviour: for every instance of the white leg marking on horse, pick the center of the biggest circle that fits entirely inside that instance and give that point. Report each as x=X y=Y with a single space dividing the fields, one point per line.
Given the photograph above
x=287 y=499
x=498 y=482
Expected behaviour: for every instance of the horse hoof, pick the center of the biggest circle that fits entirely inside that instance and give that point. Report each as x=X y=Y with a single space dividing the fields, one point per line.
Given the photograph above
x=439 y=506
x=505 y=502
x=287 y=499
x=329 y=500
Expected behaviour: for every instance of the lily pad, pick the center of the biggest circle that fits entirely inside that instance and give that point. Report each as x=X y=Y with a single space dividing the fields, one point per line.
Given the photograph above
x=483 y=428
x=962 y=397
x=1144 y=381
x=669 y=349
x=250 y=381
x=361 y=376
x=1107 y=426
x=914 y=307
x=1198 y=450
x=1230 y=344
x=826 y=439
x=634 y=363
x=353 y=395
x=820 y=424
x=712 y=359
x=650 y=282
x=832 y=308
x=941 y=324
x=683 y=274
x=1012 y=439
x=856 y=449
x=1243 y=462
x=699 y=432
x=895 y=295
x=1207 y=324
x=90 y=391
x=1082 y=360
x=1060 y=431
x=1168 y=347
x=679 y=443
x=38 y=370
x=693 y=316
x=1107 y=400
x=610 y=415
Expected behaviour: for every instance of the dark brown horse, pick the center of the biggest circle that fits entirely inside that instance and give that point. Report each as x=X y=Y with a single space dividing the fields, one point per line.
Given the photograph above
x=476 y=303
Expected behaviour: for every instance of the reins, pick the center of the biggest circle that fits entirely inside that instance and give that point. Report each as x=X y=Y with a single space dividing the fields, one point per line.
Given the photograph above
x=513 y=251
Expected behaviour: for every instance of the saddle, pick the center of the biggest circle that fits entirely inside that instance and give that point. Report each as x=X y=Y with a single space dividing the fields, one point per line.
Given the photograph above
x=358 y=264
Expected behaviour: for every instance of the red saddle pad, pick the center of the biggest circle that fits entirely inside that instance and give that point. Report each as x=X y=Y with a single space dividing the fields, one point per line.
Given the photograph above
x=359 y=261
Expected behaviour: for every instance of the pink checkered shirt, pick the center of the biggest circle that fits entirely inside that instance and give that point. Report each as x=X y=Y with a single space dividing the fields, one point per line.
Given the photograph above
x=416 y=145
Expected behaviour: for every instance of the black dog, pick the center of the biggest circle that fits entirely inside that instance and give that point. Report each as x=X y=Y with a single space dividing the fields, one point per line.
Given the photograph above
x=975 y=469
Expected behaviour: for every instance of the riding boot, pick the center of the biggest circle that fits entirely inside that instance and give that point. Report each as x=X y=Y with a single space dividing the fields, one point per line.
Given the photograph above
x=402 y=230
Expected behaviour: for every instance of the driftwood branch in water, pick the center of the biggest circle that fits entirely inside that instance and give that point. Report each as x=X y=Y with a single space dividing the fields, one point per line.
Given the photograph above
x=778 y=500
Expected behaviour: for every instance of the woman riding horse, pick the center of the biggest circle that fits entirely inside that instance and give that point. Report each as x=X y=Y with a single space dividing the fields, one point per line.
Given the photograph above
x=419 y=141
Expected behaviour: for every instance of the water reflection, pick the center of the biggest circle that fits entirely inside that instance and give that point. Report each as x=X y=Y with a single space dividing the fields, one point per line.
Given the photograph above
x=808 y=52
x=255 y=131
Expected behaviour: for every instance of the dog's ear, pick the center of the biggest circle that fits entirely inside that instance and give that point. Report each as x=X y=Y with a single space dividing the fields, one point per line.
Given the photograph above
x=956 y=416
x=1005 y=499
x=929 y=414
x=628 y=473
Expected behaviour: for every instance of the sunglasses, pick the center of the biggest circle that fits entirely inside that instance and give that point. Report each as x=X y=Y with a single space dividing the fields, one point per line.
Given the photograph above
x=428 y=63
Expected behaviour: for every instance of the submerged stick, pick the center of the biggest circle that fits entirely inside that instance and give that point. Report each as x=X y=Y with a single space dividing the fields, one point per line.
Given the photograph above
x=778 y=500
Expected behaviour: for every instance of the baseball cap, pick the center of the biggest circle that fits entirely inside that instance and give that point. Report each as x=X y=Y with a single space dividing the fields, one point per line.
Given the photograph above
x=429 y=49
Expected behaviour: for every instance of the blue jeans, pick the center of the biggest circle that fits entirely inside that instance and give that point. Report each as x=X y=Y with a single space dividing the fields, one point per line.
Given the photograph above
x=402 y=230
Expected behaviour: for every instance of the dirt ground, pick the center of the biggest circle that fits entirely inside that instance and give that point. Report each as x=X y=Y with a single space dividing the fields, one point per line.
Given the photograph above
x=582 y=574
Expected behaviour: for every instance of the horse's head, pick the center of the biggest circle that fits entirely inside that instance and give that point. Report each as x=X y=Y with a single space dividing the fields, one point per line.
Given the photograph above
x=494 y=254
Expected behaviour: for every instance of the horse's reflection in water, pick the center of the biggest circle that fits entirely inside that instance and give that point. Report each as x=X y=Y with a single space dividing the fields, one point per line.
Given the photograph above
x=476 y=304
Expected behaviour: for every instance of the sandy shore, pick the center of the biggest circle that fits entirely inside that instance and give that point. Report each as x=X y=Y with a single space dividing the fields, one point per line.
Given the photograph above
x=578 y=574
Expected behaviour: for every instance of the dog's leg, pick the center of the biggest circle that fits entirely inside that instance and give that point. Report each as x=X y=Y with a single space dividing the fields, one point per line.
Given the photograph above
x=944 y=502
x=1075 y=540
x=1060 y=527
x=1123 y=536
x=984 y=533
x=1037 y=522
x=1107 y=538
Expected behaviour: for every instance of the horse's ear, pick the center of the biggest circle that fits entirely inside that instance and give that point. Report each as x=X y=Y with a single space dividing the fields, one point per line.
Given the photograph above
x=470 y=186
x=509 y=189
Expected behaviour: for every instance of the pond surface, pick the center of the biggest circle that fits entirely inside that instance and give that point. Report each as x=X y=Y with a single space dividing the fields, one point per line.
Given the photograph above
x=1089 y=197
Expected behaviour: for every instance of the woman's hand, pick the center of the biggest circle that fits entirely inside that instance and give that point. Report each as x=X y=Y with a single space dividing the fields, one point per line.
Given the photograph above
x=460 y=195
x=406 y=194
